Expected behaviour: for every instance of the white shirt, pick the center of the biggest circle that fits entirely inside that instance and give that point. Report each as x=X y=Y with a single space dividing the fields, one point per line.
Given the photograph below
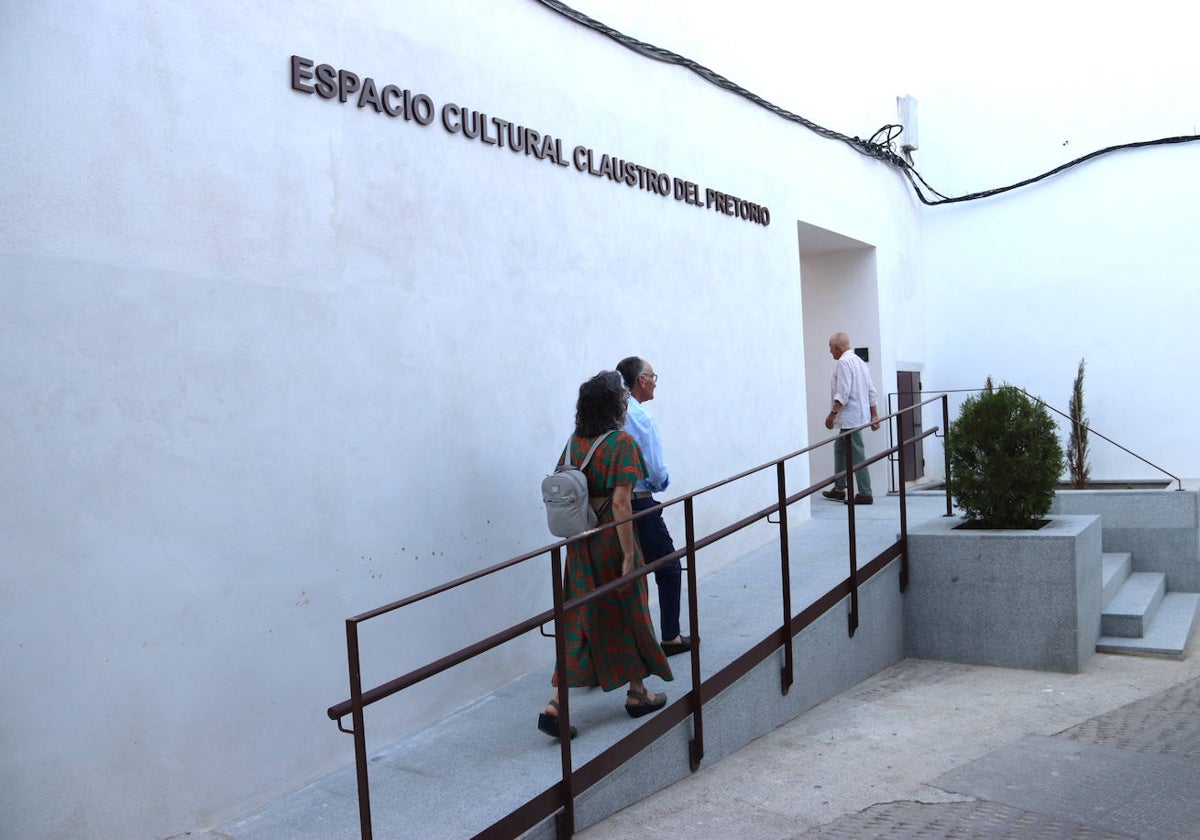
x=852 y=387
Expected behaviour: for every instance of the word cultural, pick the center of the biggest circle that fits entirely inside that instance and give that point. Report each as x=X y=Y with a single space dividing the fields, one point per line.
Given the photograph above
x=395 y=102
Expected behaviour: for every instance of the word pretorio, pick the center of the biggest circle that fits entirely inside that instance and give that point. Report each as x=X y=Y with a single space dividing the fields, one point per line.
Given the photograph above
x=395 y=102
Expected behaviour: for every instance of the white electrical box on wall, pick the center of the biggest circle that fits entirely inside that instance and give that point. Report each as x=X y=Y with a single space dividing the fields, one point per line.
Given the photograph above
x=906 y=106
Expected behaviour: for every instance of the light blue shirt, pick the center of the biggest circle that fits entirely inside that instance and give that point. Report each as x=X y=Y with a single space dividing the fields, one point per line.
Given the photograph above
x=641 y=427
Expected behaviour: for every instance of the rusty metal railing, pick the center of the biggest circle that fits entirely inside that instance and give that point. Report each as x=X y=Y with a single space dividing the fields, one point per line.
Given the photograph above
x=1088 y=428
x=894 y=469
x=560 y=798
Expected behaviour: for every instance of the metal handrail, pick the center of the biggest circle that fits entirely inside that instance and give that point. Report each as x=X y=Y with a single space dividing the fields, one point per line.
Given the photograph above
x=891 y=475
x=560 y=798
x=1092 y=431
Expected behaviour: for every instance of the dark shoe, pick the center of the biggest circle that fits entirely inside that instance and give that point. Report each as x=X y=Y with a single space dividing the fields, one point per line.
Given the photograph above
x=549 y=723
x=860 y=499
x=835 y=495
x=682 y=646
x=646 y=704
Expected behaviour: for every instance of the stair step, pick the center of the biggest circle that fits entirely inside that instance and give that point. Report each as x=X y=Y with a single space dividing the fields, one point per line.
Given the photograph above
x=1132 y=609
x=1117 y=566
x=1167 y=634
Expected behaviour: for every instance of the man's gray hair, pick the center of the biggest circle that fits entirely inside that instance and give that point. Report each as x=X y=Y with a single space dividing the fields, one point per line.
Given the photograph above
x=630 y=368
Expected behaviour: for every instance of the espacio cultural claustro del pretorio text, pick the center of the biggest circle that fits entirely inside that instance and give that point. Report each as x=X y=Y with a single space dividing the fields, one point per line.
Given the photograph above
x=328 y=82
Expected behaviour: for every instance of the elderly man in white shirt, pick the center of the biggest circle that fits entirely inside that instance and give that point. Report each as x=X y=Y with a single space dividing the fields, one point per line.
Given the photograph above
x=852 y=396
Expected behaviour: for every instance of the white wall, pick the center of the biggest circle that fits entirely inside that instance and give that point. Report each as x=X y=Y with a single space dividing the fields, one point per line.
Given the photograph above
x=274 y=360
x=1097 y=263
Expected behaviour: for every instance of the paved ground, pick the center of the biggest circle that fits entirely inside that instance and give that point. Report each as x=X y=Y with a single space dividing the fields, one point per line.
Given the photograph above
x=936 y=750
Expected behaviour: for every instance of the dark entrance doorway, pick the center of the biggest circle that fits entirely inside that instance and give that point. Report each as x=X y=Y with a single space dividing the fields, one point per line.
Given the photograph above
x=909 y=393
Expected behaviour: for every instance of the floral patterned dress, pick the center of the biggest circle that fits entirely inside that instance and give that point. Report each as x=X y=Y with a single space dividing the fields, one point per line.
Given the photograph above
x=611 y=640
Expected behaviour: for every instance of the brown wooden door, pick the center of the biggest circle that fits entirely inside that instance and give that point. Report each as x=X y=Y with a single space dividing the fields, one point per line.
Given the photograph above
x=909 y=388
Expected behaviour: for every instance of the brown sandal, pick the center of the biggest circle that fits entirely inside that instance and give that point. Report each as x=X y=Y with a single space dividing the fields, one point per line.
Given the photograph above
x=549 y=723
x=646 y=702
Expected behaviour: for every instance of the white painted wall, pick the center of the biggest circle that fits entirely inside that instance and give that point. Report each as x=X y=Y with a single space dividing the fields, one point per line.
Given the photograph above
x=1099 y=262
x=272 y=360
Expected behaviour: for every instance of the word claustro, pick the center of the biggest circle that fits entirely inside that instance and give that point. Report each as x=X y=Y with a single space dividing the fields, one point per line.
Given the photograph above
x=395 y=102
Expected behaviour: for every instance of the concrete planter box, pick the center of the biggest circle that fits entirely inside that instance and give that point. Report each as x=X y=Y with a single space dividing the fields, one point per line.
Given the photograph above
x=1017 y=599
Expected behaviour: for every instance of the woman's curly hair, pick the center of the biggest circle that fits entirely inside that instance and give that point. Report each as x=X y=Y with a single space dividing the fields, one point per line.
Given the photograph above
x=601 y=404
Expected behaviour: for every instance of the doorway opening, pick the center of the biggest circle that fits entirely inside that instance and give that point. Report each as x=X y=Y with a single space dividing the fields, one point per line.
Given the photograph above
x=838 y=293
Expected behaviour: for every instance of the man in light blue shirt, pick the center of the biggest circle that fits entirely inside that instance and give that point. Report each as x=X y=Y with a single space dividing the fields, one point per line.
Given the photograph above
x=652 y=533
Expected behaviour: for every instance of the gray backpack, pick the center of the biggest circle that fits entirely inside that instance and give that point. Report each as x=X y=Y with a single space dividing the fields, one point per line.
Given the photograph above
x=565 y=492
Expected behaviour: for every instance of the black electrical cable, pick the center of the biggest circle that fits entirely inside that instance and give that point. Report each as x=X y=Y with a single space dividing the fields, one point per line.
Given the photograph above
x=1163 y=141
x=880 y=146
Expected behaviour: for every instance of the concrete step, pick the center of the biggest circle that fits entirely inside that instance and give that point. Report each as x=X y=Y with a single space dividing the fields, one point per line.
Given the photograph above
x=1117 y=567
x=1132 y=609
x=1166 y=635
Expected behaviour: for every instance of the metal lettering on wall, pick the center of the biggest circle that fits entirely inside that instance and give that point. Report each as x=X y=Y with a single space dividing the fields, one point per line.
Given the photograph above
x=345 y=86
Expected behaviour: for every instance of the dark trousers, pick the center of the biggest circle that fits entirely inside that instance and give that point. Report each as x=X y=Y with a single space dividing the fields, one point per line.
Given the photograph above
x=656 y=542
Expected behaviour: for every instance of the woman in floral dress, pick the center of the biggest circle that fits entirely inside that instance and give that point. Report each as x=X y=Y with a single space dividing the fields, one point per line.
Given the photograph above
x=610 y=641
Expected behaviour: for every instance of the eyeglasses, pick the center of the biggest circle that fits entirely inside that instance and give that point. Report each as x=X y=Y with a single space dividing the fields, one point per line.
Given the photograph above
x=653 y=377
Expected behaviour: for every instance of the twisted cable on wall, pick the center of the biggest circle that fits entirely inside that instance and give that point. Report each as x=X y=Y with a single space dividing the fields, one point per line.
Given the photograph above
x=880 y=146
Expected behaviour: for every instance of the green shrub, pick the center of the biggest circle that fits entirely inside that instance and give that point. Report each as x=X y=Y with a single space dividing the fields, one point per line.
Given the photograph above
x=1005 y=459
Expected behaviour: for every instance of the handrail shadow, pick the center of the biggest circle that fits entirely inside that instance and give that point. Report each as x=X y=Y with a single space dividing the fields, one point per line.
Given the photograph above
x=560 y=798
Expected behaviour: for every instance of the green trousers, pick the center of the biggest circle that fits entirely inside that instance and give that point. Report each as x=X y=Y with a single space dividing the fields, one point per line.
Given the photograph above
x=862 y=477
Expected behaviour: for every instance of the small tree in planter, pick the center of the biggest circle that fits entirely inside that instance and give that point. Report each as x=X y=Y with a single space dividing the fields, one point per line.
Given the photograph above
x=1021 y=597
x=1077 y=441
x=1005 y=459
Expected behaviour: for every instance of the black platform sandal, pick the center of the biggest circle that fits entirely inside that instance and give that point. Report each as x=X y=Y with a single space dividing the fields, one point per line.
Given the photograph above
x=549 y=723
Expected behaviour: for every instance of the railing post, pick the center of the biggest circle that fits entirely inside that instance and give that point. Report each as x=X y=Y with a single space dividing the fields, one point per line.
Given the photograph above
x=903 y=505
x=892 y=462
x=566 y=819
x=696 y=746
x=787 y=676
x=360 y=733
x=853 y=617
x=946 y=449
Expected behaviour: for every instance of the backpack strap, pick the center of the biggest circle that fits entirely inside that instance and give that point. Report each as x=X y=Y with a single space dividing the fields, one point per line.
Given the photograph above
x=595 y=445
x=607 y=503
x=587 y=458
